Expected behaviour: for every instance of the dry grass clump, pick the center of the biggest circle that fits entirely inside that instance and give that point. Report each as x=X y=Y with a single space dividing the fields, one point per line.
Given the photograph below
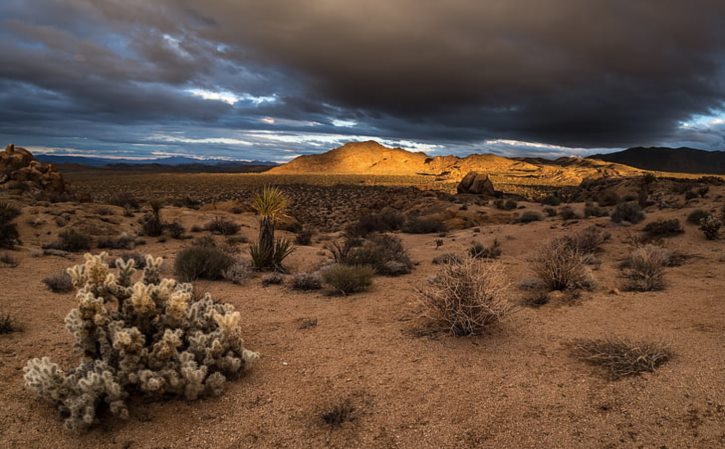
x=59 y=283
x=467 y=297
x=479 y=251
x=200 y=262
x=621 y=357
x=222 y=226
x=591 y=210
x=348 y=279
x=304 y=237
x=562 y=266
x=306 y=281
x=645 y=268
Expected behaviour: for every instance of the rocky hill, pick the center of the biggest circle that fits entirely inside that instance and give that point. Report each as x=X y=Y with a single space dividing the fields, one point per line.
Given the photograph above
x=372 y=158
x=20 y=171
x=682 y=160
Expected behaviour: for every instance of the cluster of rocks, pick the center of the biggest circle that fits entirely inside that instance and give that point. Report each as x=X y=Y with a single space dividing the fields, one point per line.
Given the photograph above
x=19 y=170
x=477 y=183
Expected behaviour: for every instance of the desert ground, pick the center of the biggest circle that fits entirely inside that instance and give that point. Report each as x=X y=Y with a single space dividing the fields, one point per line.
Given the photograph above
x=373 y=354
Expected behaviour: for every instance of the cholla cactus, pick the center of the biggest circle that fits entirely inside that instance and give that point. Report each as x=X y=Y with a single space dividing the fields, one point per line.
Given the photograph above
x=149 y=337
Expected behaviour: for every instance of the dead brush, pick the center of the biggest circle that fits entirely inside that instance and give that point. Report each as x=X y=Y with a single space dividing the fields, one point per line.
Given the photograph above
x=339 y=414
x=8 y=324
x=621 y=357
x=645 y=268
x=466 y=298
x=562 y=266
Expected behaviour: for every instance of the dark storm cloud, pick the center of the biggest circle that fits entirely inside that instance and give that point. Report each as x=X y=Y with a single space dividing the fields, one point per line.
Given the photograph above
x=598 y=73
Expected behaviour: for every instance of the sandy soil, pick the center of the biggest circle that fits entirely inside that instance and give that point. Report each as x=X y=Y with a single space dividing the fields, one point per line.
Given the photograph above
x=516 y=387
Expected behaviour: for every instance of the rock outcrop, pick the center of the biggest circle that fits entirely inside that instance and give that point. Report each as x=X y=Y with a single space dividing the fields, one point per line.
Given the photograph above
x=19 y=170
x=477 y=183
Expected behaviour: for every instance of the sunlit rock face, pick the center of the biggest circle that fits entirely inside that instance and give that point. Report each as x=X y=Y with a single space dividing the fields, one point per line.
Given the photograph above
x=19 y=170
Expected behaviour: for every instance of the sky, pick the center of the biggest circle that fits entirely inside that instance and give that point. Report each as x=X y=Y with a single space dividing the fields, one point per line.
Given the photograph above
x=274 y=79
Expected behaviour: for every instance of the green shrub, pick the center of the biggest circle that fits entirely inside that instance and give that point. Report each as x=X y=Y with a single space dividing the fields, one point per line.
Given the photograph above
x=629 y=211
x=219 y=225
x=530 y=216
x=347 y=279
x=423 y=225
x=200 y=262
x=696 y=216
x=663 y=228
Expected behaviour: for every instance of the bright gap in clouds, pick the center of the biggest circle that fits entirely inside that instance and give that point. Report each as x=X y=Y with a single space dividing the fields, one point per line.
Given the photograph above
x=230 y=97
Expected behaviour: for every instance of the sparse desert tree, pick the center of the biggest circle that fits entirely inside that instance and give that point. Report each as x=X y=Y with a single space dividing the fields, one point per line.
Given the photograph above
x=268 y=253
x=150 y=338
x=465 y=298
x=562 y=266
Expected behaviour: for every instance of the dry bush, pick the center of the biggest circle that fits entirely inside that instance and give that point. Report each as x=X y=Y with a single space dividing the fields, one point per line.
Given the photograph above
x=697 y=215
x=621 y=357
x=339 y=414
x=561 y=266
x=347 y=279
x=663 y=228
x=59 y=283
x=125 y=200
x=446 y=258
x=505 y=204
x=590 y=210
x=237 y=273
x=710 y=226
x=630 y=212
x=9 y=236
x=124 y=241
x=304 y=237
x=479 y=251
x=273 y=278
x=71 y=240
x=138 y=258
x=529 y=216
x=8 y=324
x=423 y=225
x=587 y=241
x=388 y=219
x=568 y=213
x=199 y=262
x=306 y=281
x=385 y=253
x=645 y=268
x=222 y=226
x=466 y=298
x=9 y=261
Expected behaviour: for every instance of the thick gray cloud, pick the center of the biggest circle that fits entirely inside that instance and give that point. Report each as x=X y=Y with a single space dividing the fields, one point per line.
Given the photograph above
x=454 y=74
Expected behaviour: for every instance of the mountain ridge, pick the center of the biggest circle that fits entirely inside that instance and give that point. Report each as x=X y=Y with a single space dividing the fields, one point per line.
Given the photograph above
x=682 y=159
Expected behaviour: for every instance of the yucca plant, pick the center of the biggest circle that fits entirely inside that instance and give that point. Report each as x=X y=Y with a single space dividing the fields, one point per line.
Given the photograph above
x=270 y=204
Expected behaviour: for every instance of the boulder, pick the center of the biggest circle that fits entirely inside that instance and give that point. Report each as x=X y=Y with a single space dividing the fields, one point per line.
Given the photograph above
x=19 y=169
x=477 y=183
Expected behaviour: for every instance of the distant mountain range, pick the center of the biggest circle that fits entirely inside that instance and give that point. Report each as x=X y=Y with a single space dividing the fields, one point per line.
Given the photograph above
x=172 y=163
x=682 y=160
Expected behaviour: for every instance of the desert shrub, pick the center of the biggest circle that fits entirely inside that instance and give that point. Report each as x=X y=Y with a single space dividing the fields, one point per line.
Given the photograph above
x=201 y=262
x=465 y=298
x=306 y=281
x=273 y=278
x=59 y=283
x=219 y=225
x=9 y=261
x=125 y=200
x=150 y=338
x=196 y=228
x=237 y=273
x=561 y=266
x=590 y=210
x=339 y=414
x=645 y=268
x=175 y=230
x=663 y=228
x=530 y=216
x=697 y=215
x=104 y=211
x=236 y=240
x=124 y=241
x=551 y=200
x=151 y=225
x=262 y=259
x=446 y=258
x=608 y=198
x=304 y=237
x=385 y=253
x=138 y=259
x=710 y=226
x=438 y=243
x=347 y=279
x=505 y=204
x=423 y=225
x=568 y=213
x=691 y=194
x=587 y=241
x=388 y=219
x=9 y=236
x=340 y=249
x=621 y=357
x=478 y=250
x=629 y=211
x=71 y=240
x=550 y=211
x=8 y=324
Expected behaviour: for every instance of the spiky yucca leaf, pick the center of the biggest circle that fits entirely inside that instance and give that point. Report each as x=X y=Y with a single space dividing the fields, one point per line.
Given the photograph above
x=270 y=203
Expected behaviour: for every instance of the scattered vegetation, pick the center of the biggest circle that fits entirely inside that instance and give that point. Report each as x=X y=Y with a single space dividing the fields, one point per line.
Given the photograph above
x=710 y=226
x=550 y=211
x=663 y=228
x=588 y=241
x=423 y=225
x=479 y=251
x=696 y=216
x=150 y=338
x=9 y=236
x=348 y=279
x=568 y=213
x=222 y=226
x=71 y=240
x=629 y=211
x=551 y=200
x=591 y=210
x=529 y=216
x=621 y=357
x=383 y=252
x=201 y=262
x=125 y=200
x=306 y=281
x=388 y=219
x=562 y=266
x=151 y=224
x=465 y=298
x=59 y=283
x=124 y=241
